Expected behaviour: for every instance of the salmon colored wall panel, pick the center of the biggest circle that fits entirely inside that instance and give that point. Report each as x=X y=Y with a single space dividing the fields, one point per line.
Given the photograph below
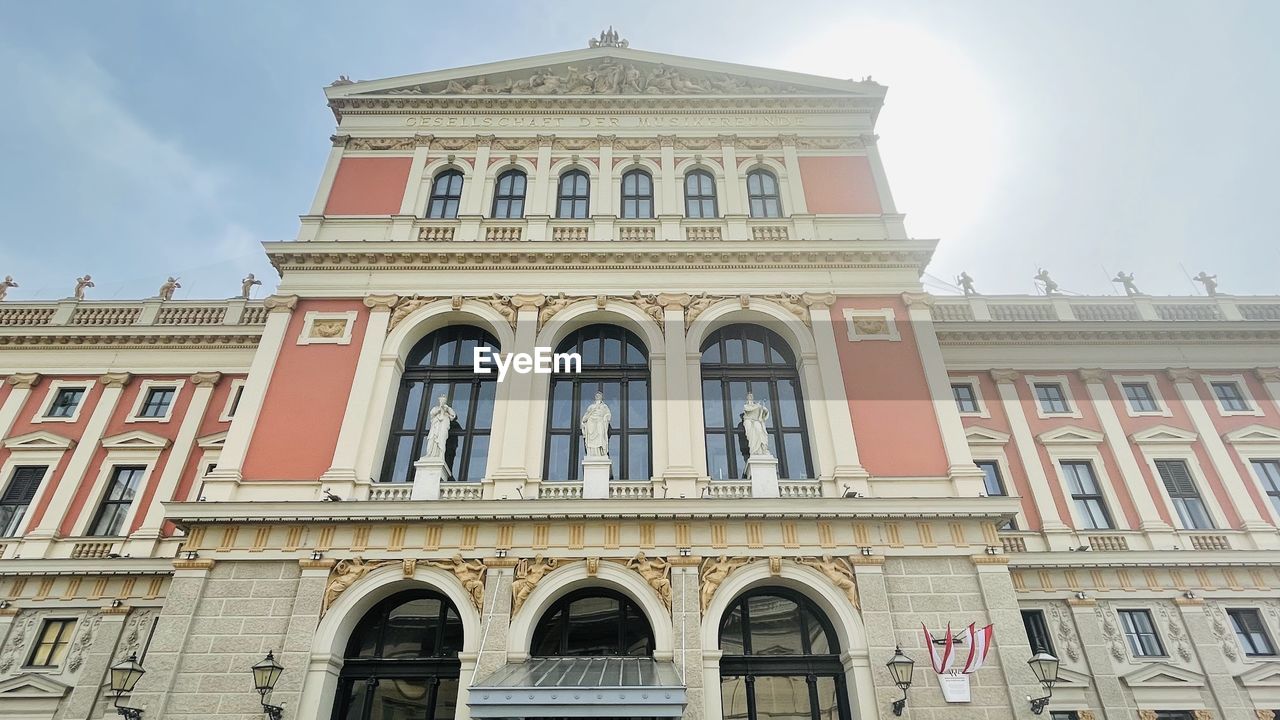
x=839 y=185
x=885 y=384
x=368 y=186
x=1016 y=483
x=297 y=429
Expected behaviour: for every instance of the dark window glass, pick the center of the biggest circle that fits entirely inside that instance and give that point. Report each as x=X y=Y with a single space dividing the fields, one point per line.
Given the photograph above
x=616 y=364
x=1230 y=397
x=55 y=638
x=1251 y=632
x=993 y=481
x=1051 y=398
x=762 y=193
x=738 y=359
x=442 y=364
x=637 y=194
x=508 y=195
x=1064 y=715
x=235 y=400
x=1140 y=632
x=1174 y=715
x=780 y=659
x=17 y=497
x=1037 y=629
x=700 y=195
x=966 y=398
x=157 y=402
x=593 y=622
x=446 y=194
x=65 y=403
x=1140 y=397
x=574 y=195
x=1087 y=496
x=1186 y=498
x=121 y=489
x=1268 y=472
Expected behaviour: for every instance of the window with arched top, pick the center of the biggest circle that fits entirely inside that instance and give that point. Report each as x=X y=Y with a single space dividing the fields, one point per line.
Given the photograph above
x=616 y=364
x=442 y=364
x=637 y=194
x=762 y=194
x=781 y=659
x=402 y=660
x=574 y=195
x=700 y=195
x=593 y=622
x=446 y=194
x=742 y=358
x=508 y=195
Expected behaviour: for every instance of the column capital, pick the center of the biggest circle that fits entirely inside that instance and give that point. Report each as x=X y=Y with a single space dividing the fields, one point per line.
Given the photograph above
x=23 y=381
x=869 y=139
x=280 y=303
x=667 y=140
x=484 y=140
x=206 y=379
x=1092 y=375
x=788 y=139
x=117 y=380
x=606 y=140
x=1181 y=374
x=1271 y=374
x=727 y=139
x=1004 y=375
x=531 y=301
x=381 y=302
x=822 y=299
x=339 y=140
x=546 y=140
x=423 y=139
x=917 y=299
x=674 y=301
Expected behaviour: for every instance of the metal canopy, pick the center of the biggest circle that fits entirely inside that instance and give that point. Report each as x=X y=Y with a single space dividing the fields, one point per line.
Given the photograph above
x=580 y=687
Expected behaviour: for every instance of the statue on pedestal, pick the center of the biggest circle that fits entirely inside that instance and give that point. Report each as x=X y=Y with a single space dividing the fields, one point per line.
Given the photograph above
x=595 y=428
x=754 y=416
x=1050 y=287
x=442 y=417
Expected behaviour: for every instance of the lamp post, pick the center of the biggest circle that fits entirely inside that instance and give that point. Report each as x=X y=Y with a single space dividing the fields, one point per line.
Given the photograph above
x=265 y=675
x=124 y=676
x=900 y=668
x=1045 y=667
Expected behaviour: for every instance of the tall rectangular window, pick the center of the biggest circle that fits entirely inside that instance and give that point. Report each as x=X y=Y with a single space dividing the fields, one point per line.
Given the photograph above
x=1140 y=397
x=1186 y=498
x=993 y=483
x=65 y=403
x=55 y=638
x=1268 y=472
x=1140 y=632
x=236 y=394
x=17 y=497
x=1051 y=398
x=1251 y=632
x=115 y=503
x=157 y=402
x=1230 y=396
x=966 y=398
x=1037 y=631
x=1087 y=496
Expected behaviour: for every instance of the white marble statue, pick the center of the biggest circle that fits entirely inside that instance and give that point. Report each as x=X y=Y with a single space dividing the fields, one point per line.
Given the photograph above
x=166 y=290
x=754 y=416
x=1050 y=287
x=9 y=283
x=442 y=417
x=595 y=428
x=82 y=283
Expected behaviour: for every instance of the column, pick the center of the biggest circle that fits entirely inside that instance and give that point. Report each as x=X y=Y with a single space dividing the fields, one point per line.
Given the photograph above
x=1115 y=698
x=220 y=484
x=519 y=423
x=686 y=621
x=402 y=222
x=877 y=618
x=679 y=474
x=328 y=174
x=606 y=195
x=823 y=440
x=169 y=642
x=107 y=625
x=538 y=203
x=142 y=542
x=893 y=224
x=731 y=203
x=495 y=622
x=473 y=190
x=996 y=587
x=320 y=680
x=1130 y=471
x=848 y=468
x=360 y=400
x=1270 y=378
x=798 y=209
x=1045 y=499
x=38 y=540
x=22 y=384
x=1260 y=531
x=1218 y=676
x=966 y=478
x=670 y=186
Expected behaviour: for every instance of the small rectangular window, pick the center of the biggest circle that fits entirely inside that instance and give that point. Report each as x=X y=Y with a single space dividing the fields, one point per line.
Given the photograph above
x=1037 y=628
x=1064 y=715
x=1268 y=472
x=1230 y=396
x=966 y=398
x=65 y=402
x=1186 y=498
x=157 y=402
x=1087 y=496
x=1140 y=397
x=237 y=392
x=17 y=497
x=1140 y=632
x=1251 y=632
x=54 y=639
x=1174 y=715
x=121 y=490
x=993 y=483
x=1051 y=398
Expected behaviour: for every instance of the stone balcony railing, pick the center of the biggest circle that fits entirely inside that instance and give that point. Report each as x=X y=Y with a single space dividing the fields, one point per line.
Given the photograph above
x=1124 y=541
x=566 y=490
x=1135 y=308
x=148 y=313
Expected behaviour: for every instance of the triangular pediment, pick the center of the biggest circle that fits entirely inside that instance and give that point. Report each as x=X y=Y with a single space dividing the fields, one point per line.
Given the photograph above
x=39 y=440
x=1265 y=674
x=618 y=71
x=1163 y=675
x=978 y=435
x=215 y=440
x=32 y=686
x=136 y=439
x=1254 y=434
x=1164 y=434
x=1071 y=678
x=1070 y=435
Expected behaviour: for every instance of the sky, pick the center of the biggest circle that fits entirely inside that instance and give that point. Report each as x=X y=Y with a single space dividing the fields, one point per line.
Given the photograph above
x=145 y=139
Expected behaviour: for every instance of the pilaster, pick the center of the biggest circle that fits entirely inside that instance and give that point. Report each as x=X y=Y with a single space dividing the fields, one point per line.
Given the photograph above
x=1046 y=502
x=1232 y=703
x=686 y=621
x=1097 y=656
x=518 y=431
x=847 y=469
x=107 y=626
x=412 y=185
x=360 y=400
x=1270 y=378
x=169 y=643
x=996 y=587
x=22 y=384
x=679 y=474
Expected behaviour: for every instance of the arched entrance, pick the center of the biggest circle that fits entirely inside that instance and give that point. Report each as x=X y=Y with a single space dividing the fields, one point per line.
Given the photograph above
x=781 y=659
x=402 y=661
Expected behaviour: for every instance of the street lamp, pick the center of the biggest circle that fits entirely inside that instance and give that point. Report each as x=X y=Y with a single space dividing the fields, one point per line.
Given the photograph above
x=124 y=676
x=900 y=668
x=265 y=675
x=1045 y=667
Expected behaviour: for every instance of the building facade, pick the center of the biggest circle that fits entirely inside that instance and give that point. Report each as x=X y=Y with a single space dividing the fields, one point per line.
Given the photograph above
x=805 y=458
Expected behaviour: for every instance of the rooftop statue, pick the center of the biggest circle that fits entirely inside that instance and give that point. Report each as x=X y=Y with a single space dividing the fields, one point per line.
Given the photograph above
x=1050 y=287
x=166 y=290
x=1126 y=279
x=6 y=284
x=608 y=38
x=246 y=285
x=1210 y=283
x=965 y=281
x=82 y=283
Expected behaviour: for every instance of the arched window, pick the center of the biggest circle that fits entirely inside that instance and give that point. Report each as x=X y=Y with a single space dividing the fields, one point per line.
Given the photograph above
x=781 y=659
x=574 y=195
x=402 y=660
x=593 y=622
x=637 y=194
x=441 y=364
x=738 y=359
x=762 y=192
x=700 y=195
x=614 y=363
x=446 y=192
x=508 y=195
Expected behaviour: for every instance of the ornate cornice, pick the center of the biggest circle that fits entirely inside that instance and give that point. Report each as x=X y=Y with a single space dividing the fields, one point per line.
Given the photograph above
x=23 y=381
x=173 y=341
x=949 y=334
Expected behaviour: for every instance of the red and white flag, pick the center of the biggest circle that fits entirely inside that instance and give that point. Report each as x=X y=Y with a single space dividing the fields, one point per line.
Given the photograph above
x=979 y=646
x=941 y=659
